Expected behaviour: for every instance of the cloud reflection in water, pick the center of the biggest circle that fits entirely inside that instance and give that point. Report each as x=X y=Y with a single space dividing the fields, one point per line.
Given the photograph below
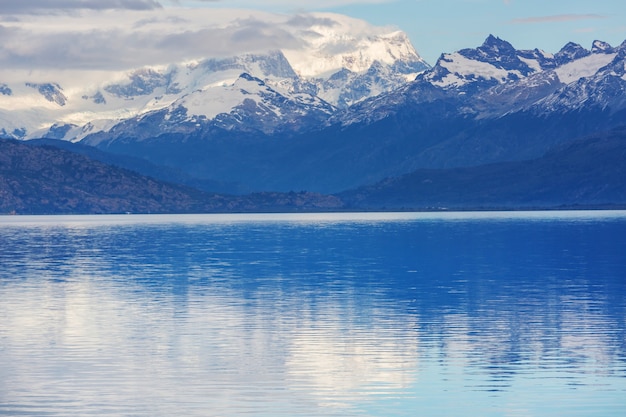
x=311 y=319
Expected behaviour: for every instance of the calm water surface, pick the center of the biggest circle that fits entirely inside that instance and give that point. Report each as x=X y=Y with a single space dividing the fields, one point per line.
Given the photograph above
x=449 y=314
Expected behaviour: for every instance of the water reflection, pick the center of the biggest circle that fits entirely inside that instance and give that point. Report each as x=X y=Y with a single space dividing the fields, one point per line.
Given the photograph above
x=509 y=317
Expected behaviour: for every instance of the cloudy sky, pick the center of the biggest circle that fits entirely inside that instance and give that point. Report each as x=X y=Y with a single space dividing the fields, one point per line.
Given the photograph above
x=120 y=33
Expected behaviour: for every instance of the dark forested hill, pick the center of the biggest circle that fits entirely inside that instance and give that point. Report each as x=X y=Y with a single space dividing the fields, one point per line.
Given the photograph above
x=48 y=180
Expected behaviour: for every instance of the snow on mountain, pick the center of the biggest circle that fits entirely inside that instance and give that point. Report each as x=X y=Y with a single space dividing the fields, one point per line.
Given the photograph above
x=495 y=79
x=601 y=46
x=570 y=52
x=460 y=70
x=584 y=67
x=539 y=86
x=498 y=62
x=338 y=61
x=599 y=81
x=35 y=110
x=334 y=42
x=346 y=62
x=494 y=62
x=253 y=106
x=344 y=71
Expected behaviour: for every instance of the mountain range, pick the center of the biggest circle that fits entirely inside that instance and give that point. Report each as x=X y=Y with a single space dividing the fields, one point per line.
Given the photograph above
x=375 y=126
x=270 y=92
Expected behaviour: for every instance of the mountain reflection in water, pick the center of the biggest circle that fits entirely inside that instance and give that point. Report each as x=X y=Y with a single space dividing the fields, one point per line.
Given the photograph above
x=379 y=315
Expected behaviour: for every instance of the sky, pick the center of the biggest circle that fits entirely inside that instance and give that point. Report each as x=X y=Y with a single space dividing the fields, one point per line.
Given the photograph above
x=38 y=33
x=438 y=26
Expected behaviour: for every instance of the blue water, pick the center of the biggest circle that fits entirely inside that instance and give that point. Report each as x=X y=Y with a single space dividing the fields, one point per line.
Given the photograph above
x=413 y=314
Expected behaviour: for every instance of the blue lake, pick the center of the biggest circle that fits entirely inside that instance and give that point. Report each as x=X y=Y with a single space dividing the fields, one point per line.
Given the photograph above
x=379 y=314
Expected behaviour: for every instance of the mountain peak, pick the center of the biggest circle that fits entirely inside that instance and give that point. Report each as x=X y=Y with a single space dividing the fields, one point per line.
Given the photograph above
x=497 y=52
x=331 y=48
x=570 y=52
x=248 y=77
x=601 y=47
x=495 y=61
x=495 y=44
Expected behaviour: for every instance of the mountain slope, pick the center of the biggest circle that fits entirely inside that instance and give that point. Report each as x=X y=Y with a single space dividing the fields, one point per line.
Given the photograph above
x=585 y=172
x=48 y=180
x=141 y=166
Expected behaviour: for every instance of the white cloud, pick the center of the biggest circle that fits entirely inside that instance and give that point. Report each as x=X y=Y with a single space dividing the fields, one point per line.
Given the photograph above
x=8 y=7
x=290 y=4
x=120 y=40
x=115 y=39
x=38 y=6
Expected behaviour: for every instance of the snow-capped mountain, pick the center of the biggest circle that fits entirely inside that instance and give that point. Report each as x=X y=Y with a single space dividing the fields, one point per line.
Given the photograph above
x=497 y=62
x=254 y=107
x=263 y=122
x=343 y=69
x=494 y=62
x=489 y=104
x=495 y=79
x=596 y=81
x=335 y=66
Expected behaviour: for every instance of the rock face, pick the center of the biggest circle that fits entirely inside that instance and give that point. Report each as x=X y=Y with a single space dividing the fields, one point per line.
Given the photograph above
x=51 y=92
